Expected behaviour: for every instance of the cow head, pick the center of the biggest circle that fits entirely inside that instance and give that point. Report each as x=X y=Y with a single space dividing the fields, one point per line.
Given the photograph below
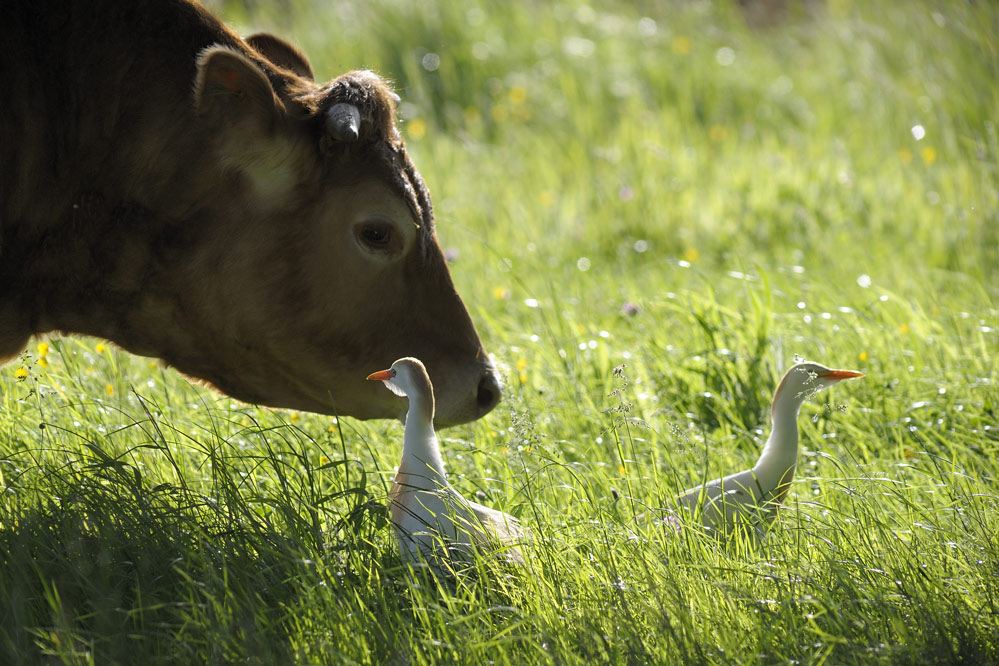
x=326 y=253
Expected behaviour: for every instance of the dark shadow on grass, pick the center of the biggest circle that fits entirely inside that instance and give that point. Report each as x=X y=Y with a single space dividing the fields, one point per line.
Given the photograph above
x=97 y=562
x=118 y=569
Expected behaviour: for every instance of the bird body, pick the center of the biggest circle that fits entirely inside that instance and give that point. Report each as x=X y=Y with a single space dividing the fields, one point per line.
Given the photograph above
x=432 y=522
x=756 y=492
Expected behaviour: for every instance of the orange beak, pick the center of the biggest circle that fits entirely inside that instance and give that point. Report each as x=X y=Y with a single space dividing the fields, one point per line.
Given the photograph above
x=841 y=374
x=381 y=375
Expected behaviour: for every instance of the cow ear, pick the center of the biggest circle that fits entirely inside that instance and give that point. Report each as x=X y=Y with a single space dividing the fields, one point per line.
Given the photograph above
x=231 y=87
x=233 y=95
x=281 y=53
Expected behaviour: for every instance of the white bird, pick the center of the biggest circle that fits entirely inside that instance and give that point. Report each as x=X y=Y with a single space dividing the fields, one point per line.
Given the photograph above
x=432 y=522
x=757 y=492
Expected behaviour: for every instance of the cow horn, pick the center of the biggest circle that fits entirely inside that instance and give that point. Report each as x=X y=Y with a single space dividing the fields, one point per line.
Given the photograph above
x=343 y=122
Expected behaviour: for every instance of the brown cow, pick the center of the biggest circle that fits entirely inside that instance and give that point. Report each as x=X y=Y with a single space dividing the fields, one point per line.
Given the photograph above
x=193 y=196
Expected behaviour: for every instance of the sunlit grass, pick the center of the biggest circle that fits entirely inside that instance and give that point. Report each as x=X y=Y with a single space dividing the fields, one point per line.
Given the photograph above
x=650 y=211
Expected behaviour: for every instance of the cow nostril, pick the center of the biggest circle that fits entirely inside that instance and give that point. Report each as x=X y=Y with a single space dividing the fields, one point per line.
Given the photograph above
x=488 y=395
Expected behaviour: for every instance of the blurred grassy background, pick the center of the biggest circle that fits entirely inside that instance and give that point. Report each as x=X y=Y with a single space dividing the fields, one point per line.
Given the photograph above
x=664 y=186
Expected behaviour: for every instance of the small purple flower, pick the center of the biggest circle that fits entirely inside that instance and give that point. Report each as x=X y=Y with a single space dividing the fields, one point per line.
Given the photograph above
x=629 y=309
x=451 y=254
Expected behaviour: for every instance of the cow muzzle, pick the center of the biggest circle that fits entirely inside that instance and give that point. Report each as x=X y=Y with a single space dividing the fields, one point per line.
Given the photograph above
x=489 y=391
x=468 y=396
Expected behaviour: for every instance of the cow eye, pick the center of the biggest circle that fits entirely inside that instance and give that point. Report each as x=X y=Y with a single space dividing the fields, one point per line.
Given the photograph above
x=376 y=235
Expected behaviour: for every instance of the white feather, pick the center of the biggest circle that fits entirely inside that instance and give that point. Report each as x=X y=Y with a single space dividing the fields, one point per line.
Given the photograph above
x=753 y=495
x=433 y=523
x=395 y=389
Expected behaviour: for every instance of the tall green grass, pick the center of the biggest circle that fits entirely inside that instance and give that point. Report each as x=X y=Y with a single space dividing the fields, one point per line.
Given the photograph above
x=655 y=208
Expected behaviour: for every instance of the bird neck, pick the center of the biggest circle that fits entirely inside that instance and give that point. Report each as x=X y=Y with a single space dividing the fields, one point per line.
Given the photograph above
x=422 y=466
x=780 y=454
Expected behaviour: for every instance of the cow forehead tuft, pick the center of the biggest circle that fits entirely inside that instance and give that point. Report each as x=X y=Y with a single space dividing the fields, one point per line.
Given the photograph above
x=372 y=97
x=376 y=102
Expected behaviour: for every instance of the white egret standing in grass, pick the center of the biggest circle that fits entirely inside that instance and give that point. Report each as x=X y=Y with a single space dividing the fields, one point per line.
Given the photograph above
x=432 y=521
x=757 y=492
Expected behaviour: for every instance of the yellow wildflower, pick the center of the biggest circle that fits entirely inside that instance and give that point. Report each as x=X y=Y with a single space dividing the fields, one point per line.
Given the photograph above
x=929 y=155
x=323 y=460
x=691 y=254
x=903 y=329
x=472 y=115
x=501 y=293
x=862 y=356
x=21 y=374
x=110 y=390
x=517 y=95
x=521 y=368
x=43 y=362
x=681 y=45
x=43 y=349
x=416 y=128
x=621 y=470
x=294 y=417
x=100 y=348
x=718 y=133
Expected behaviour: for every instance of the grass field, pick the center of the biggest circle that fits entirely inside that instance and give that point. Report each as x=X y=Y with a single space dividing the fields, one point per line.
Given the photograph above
x=653 y=208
